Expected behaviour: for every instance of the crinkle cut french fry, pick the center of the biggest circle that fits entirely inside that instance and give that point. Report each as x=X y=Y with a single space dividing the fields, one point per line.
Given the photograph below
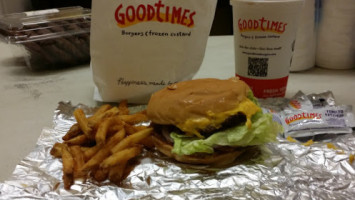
x=102 y=130
x=104 y=151
x=132 y=139
x=116 y=173
x=78 y=140
x=121 y=156
x=83 y=122
x=56 y=150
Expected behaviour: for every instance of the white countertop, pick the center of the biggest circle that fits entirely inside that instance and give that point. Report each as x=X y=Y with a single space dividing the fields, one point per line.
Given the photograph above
x=28 y=99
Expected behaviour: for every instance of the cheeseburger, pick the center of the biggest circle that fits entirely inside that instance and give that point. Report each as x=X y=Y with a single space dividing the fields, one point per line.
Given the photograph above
x=208 y=121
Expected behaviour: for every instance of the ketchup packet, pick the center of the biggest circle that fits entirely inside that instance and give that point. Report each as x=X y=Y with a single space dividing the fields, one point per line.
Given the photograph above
x=325 y=120
x=140 y=46
x=316 y=114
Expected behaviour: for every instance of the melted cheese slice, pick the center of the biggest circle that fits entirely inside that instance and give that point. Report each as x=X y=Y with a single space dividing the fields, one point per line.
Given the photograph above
x=192 y=126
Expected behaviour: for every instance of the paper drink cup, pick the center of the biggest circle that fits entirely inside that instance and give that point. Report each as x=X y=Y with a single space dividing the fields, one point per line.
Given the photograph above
x=264 y=39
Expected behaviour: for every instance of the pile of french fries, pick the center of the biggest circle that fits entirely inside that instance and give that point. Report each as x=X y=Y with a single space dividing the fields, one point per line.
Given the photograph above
x=101 y=146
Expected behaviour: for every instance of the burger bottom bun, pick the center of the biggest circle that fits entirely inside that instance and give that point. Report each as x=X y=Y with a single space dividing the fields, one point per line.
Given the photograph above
x=221 y=158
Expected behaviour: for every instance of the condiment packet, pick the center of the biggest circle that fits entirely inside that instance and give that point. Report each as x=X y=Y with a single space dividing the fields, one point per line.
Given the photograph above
x=298 y=102
x=322 y=99
x=304 y=116
x=323 y=120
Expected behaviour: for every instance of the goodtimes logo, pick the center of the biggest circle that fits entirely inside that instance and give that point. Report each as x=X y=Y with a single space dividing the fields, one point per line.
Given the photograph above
x=302 y=116
x=261 y=25
x=129 y=15
x=295 y=104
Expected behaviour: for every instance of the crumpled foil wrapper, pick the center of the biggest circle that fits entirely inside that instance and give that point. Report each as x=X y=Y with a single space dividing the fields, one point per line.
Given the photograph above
x=283 y=170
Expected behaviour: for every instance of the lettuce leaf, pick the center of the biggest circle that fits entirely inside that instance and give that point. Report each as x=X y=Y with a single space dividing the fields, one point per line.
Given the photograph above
x=251 y=96
x=263 y=130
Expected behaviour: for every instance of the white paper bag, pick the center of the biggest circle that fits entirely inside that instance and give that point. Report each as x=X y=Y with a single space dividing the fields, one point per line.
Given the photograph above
x=140 y=46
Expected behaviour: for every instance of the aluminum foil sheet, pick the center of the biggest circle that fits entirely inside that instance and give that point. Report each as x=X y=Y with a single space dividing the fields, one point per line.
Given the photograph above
x=283 y=170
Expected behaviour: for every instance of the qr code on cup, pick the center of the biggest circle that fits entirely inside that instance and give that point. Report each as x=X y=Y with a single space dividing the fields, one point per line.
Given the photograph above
x=258 y=66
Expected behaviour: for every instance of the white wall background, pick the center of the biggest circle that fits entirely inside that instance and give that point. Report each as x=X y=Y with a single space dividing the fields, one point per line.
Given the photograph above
x=11 y=6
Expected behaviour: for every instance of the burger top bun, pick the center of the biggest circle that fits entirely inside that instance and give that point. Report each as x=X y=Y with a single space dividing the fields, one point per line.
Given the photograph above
x=195 y=99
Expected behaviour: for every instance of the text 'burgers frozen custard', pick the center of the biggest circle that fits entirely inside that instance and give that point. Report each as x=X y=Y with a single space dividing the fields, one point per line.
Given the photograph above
x=140 y=46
